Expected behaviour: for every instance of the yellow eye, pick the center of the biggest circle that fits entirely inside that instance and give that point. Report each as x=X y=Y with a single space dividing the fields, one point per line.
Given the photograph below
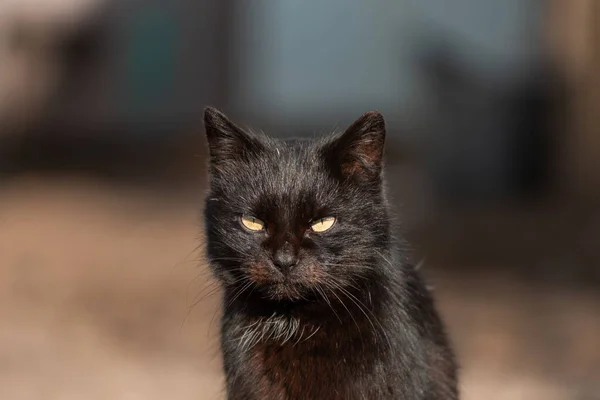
x=323 y=224
x=252 y=223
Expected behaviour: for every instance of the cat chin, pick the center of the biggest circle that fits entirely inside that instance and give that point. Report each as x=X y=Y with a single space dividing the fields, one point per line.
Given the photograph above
x=282 y=291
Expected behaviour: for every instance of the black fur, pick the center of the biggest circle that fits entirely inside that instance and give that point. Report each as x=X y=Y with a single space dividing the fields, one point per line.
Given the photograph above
x=349 y=319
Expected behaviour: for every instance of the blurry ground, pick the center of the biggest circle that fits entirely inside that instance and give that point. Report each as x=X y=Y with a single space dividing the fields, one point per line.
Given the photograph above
x=96 y=284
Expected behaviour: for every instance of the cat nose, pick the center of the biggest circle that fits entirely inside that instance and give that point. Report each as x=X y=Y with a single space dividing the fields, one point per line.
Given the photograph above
x=285 y=259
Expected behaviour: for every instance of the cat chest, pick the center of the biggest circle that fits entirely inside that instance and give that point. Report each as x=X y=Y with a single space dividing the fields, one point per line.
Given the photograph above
x=296 y=372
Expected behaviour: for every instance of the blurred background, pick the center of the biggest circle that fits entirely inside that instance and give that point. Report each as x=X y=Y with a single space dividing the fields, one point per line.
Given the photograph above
x=493 y=163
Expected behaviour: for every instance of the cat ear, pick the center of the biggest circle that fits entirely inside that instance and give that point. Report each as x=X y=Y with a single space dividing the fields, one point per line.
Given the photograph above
x=358 y=152
x=226 y=141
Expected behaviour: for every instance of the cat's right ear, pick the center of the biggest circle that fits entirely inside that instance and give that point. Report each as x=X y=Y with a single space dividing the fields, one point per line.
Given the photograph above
x=226 y=141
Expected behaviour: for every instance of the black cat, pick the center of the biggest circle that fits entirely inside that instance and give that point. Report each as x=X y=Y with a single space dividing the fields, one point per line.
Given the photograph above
x=318 y=301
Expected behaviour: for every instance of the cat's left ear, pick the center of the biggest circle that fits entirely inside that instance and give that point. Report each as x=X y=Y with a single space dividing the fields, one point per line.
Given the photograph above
x=358 y=152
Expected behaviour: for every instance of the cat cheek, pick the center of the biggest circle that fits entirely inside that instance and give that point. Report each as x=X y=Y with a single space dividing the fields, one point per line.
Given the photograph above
x=259 y=273
x=314 y=274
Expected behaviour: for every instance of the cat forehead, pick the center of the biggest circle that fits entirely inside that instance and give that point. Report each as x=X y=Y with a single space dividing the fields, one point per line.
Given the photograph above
x=294 y=148
x=290 y=161
x=288 y=170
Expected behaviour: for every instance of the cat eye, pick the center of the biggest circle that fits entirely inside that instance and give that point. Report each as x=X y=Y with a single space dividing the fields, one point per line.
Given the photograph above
x=252 y=223
x=322 y=224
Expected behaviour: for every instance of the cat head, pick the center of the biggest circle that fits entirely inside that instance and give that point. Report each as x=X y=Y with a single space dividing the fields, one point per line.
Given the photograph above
x=293 y=219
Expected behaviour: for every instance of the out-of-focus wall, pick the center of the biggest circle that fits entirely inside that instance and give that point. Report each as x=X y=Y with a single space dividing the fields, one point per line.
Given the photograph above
x=295 y=66
x=573 y=33
x=111 y=68
x=30 y=66
x=458 y=84
x=156 y=64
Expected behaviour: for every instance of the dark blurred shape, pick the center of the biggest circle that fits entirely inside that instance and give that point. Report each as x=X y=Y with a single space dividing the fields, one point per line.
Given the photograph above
x=487 y=137
x=83 y=48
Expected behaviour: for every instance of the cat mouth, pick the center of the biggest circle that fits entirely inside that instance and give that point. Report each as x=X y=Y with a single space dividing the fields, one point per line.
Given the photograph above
x=282 y=290
x=274 y=285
